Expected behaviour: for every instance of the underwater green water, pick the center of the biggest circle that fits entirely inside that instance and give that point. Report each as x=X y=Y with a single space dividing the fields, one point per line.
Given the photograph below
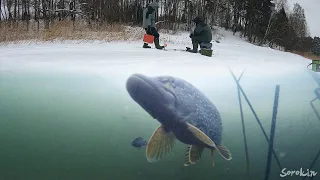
x=80 y=126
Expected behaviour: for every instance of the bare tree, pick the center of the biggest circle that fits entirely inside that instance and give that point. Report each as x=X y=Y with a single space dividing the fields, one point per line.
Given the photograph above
x=279 y=4
x=298 y=21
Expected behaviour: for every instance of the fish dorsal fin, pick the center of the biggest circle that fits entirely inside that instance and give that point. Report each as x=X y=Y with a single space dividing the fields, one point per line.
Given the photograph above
x=224 y=152
x=193 y=154
x=200 y=135
x=160 y=143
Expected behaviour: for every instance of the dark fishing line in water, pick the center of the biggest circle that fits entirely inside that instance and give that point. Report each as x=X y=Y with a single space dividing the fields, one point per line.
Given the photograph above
x=272 y=131
x=314 y=109
x=313 y=163
x=256 y=116
x=243 y=129
x=241 y=75
x=317 y=114
x=316 y=78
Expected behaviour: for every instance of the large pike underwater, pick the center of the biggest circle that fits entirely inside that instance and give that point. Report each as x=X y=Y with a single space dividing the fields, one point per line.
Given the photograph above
x=184 y=113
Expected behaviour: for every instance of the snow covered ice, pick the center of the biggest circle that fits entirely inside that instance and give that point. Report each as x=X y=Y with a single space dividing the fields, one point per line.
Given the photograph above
x=124 y=58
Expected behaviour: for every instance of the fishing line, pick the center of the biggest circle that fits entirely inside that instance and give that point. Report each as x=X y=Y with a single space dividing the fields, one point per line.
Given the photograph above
x=243 y=129
x=313 y=163
x=257 y=118
x=314 y=109
x=272 y=131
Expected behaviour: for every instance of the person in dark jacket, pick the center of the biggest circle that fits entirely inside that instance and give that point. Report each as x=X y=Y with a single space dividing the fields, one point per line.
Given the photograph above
x=149 y=17
x=201 y=35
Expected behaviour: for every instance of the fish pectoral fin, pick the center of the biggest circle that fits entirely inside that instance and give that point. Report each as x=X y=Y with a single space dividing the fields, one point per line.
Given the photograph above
x=224 y=152
x=195 y=153
x=160 y=143
x=187 y=162
x=200 y=135
x=212 y=153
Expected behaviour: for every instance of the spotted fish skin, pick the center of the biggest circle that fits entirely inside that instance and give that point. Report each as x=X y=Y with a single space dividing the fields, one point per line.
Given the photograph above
x=173 y=102
x=195 y=108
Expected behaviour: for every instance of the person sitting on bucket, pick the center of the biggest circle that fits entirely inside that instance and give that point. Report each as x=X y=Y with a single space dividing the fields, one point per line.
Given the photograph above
x=149 y=17
x=201 y=35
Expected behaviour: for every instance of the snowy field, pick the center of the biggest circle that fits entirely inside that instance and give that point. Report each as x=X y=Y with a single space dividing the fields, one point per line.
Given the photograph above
x=125 y=57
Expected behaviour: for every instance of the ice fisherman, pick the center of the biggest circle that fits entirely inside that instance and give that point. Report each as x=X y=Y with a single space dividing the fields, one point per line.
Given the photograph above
x=201 y=35
x=149 y=17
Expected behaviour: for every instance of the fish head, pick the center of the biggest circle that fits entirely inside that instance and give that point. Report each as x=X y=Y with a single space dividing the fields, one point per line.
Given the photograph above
x=154 y=94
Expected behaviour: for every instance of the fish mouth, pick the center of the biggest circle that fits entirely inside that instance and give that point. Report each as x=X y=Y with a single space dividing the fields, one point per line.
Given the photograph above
x=150 y=93
x=138 y=82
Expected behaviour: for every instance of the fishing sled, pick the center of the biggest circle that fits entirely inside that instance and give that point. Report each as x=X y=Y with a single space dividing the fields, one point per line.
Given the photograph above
x=316 y=65
x=205 y=49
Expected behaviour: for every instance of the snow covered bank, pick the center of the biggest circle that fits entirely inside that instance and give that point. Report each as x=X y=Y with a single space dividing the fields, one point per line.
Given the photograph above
x=124 y=58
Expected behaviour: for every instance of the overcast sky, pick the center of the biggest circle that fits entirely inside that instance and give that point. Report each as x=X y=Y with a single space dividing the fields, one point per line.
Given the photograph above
x=312 y=12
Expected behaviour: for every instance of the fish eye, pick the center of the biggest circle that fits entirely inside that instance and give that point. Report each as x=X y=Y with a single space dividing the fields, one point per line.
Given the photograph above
x=168 y=85
x=168 y=82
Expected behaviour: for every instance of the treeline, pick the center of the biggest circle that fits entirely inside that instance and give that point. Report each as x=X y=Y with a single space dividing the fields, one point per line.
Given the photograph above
x=260 y=21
